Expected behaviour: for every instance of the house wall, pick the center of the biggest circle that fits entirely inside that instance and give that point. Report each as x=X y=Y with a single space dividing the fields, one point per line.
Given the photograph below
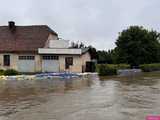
x=14 y=62
x=59 y=51
x=77 y=63
x=38 y=63
x=85 y=58
x=58 y=44
x=78 y=66
x=50 y=37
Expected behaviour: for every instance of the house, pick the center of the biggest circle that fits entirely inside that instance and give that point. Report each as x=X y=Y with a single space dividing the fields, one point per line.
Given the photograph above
x=37 y=48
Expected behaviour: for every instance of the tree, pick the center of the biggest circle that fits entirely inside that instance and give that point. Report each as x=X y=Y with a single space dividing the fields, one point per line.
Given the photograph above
x=106 y=56
x=93 y=52
x=81 y=45
x=137 y=45
x=77 y=45
x=74 y=45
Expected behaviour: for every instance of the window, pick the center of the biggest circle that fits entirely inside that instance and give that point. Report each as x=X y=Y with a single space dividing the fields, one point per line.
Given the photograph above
x=26 y=57
x=6 y=60
x=68 y=61
x=50 y=57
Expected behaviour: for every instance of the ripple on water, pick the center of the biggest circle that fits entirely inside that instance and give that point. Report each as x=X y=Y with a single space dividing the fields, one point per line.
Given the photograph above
x=113 y=98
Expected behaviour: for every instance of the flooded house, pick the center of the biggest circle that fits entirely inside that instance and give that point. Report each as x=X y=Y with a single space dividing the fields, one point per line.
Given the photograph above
x=37 y=48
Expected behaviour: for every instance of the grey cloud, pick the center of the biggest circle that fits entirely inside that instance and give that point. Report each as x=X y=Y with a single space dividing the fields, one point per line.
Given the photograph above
x=95 y=22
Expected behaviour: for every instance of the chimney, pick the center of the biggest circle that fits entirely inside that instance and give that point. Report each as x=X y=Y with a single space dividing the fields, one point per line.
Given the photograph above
x=11 y=25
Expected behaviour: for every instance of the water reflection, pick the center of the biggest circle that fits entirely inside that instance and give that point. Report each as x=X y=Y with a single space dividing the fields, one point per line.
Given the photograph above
x=23 y=94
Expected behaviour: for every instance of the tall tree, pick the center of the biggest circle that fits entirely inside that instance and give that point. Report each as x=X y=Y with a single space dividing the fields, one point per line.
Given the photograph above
x=137 y=45
x=106 y=56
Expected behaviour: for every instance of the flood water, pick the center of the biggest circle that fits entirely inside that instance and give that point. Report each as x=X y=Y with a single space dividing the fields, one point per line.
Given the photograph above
x=89 y=98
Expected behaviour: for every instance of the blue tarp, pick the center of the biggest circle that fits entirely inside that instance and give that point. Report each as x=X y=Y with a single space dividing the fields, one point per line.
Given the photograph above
x=61 y=75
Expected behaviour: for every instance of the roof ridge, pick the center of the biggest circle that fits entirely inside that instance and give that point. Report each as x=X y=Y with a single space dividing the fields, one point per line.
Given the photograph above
x=24 y=25
x=46 y=26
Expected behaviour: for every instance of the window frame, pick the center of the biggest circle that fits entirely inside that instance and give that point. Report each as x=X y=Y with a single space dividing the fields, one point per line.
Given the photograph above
x=26 y=57
x=50 y=57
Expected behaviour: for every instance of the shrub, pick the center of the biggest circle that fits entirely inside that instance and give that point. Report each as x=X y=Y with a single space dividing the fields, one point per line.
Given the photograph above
x=123 y=66
x=150 y=67
x=110 y=69
x=1 y=72
x=106 y=70
x=10 y=72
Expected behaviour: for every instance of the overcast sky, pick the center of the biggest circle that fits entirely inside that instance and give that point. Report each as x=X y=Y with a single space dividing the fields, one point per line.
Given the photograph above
x=95 y=22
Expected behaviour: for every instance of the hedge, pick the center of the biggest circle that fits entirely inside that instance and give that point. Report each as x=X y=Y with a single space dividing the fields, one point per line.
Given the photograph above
x=110 y=69
x=150 y=67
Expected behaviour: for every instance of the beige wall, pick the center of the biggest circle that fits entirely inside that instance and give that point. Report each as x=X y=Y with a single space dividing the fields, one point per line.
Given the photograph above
x=78 y=62
x=14 y=61
x=85 y=58
x=38 y=63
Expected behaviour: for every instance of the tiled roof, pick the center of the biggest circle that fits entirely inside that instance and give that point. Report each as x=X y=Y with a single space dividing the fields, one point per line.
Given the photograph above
x=24 y=38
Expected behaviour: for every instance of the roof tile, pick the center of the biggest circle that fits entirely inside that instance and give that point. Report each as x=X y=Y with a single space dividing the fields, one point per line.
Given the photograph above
x=24 y=38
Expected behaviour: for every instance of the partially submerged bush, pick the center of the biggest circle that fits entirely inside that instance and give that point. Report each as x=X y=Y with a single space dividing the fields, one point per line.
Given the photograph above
x=150 y=67
x=10 y=72
x=1 y=72
x=123 y=66
x=110 y=69
x=106 y=70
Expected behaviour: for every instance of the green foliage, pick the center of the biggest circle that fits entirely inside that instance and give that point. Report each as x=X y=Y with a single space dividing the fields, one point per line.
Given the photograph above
x=93 y=52
x=10 y=72
x=106 y=57
x=137 y=45
x=110 y=69
x=150 y=67
x=106 y=70
x=122 y=66
x=1 y=72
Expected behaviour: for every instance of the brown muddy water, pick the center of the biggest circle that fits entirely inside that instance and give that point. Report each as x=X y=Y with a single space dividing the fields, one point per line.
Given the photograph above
x=90 y=98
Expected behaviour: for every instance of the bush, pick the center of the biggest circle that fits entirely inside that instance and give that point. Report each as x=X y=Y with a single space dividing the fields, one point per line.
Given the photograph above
x=110 y=69
x=1 y=72
x=106 y=70
x=10 y=72
x=123 y=66
x=150 y=67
